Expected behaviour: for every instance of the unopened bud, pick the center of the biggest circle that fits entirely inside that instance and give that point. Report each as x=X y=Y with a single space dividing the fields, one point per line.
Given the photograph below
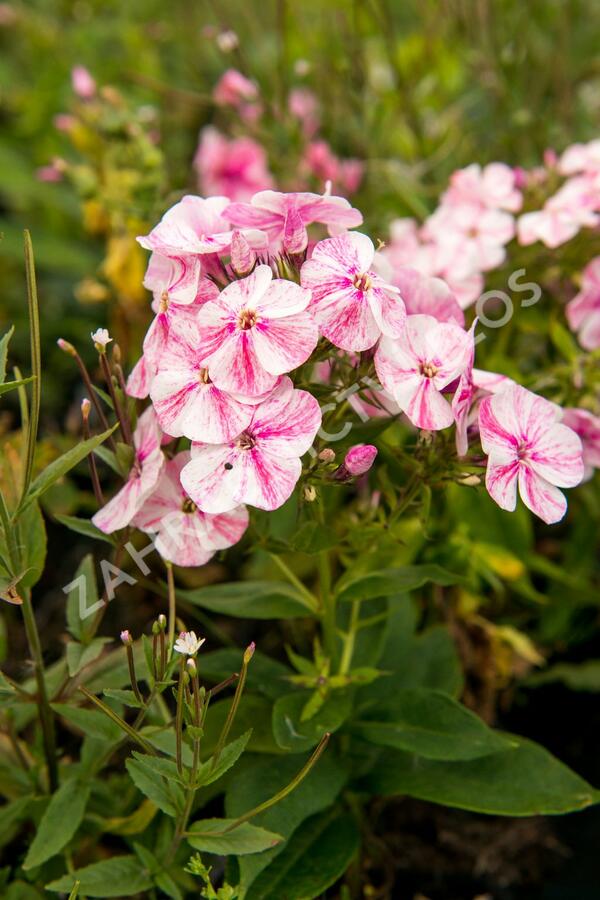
x=126 y=638
x=162 y=622
x=309 y=493
x=155 y=628
x=249 y=652
x=82 y=83
x=243 y=256
x=327 y=455
x=469 y=480
x=191 y=667
x=295 y=237
x=66 y=347
x=85 y=409
x=360 y=458
x=116 y=354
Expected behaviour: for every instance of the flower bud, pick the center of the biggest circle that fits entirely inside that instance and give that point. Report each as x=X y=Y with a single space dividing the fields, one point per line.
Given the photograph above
x=309 y=493
x=126 y=638
x=470 y=480
x=66 y=347
x=191 y=667
x=327 y=455
x=82 y=83
x=85 y=409
x=295 y=237
x=360 y=458
x=249 y=652
x=101 y=339
x=162 y=622
x=242 y=255
x=116 y=355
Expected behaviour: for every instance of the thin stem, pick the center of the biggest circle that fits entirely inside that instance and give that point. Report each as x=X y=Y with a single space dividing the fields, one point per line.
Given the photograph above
x=119 y=721
x=93 y=468
x=46 y=715
x=121 y=415
x=172 y=609
x=36 y=362
x=179 y=718
x=312 y=601
x=132 y=675
x=234 y=706
x=93 y=397
x=350 y=638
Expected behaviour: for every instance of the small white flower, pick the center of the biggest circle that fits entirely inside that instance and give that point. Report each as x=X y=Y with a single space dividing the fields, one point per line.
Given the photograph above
x=188 y=643
x=227 y=41
x=101 y=338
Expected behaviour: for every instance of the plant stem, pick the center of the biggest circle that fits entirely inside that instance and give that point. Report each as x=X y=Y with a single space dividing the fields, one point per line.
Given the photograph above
x=328 y=605
x=172 y=609
x=46 y=715
x=350 y=638
x=312 y=602
x=234 y=706
x=36 y=364
x=179 y=718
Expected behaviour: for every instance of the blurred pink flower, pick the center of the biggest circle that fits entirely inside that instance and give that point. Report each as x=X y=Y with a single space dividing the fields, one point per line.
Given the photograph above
x=233 y=88
x=493 y=187
x=82 y=83
x=583 y=311
x=304 y=106
x=430 y=296
x=236 y=168
x=563 y=215
x=587 y=426
x=527 y=446
x=469 y=238
x=321 y=162
x=580 y=158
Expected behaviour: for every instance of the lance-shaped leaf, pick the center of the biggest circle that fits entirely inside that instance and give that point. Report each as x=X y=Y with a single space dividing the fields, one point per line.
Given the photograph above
x=59 y=823
x=210 y=836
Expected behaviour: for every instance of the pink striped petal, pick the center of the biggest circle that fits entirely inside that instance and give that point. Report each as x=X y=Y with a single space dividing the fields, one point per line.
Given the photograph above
x=423 y=404
x=557 y=456
x=284 y=344
x=541 y=497
x=501 y=481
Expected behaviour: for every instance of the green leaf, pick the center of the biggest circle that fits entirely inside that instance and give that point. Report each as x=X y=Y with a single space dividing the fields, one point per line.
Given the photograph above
x=83 y=526
x=207 y=835
x=254 y=714
x=257 y=782
x=59 y=823
x=4 y=341
x=59 y=467
x=229 y=756
x=292 y=734
x=583 y=676
x=81 y=655
x=312 y=537
x=128 y=698
x=11 y=814
x=316 y=855
x=7 y=386
x=32 y=531
x=77 y=626
x=119 y=876
x=90 y=721
x=387 y=582
x=158 y=765
x=167 y=796
x=109 y=458
x=524 y=781
x=431 y=724
x=250 y=599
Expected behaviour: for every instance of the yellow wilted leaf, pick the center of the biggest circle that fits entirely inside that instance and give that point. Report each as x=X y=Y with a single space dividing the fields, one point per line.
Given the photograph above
x=124 y=268
x=519 y=643
x=137 y=822
x=501 y=561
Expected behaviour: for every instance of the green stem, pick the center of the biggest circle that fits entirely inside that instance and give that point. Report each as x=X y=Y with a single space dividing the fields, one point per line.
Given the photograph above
x=328 y=605
x=36 y=363
x=46 y=715
x=172 y=610
x=128 y=729
x=311 y=600
x=350 y=638
x=179 y=718
x=234 y=706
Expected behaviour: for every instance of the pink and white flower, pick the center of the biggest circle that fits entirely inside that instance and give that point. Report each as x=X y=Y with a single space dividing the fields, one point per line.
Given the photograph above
x=352 y=304
x=473 y=386
x=581 y=158
x=83 y=83
x=145 y=472
x=177 y=276
x=256 y=330
x=494 y=187
x=269 y=211
x=587 y=426
x=187 y=643
x=195 y=225
x=184 y=397
x=233 y=89
x=423 y=295
x=183 y=534
x=261 y=466
x=583 y=311
x=529 y=448
x=469 y=238
x=417 y=366
x=572 y=208
x=233 y=168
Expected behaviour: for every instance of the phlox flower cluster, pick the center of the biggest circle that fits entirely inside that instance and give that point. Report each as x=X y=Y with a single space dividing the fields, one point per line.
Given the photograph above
x=245 y=289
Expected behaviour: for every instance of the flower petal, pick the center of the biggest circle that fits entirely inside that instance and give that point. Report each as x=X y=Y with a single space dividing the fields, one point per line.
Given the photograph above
x=541 y=497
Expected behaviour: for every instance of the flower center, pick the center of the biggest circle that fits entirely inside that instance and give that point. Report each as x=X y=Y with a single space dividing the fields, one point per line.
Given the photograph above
x=362 y=282
x=188 y=506
x=203 y=376
x=245 y=441
x=247 y=319
x=164 y=302
x=522 y=452
x=429 y=370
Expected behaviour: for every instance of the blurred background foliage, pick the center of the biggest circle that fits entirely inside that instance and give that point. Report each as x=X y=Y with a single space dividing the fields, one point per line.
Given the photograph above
x=416 y=89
